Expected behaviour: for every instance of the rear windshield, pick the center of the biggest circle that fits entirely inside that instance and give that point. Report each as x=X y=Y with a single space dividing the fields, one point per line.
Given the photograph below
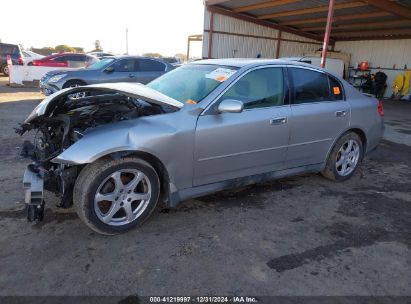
x=9 y=49
x=191 y=83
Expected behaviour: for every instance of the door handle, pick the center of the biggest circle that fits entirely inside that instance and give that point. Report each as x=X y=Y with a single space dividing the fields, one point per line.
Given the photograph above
x=341 y=113
x=131 y=75
x=278 y=121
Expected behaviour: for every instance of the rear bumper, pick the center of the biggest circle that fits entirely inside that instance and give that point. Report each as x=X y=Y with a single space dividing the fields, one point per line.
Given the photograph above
x=375 y=136
x=33 y=184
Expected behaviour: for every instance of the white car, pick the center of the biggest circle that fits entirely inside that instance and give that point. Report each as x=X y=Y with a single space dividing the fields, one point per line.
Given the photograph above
x=335 y=66
x=29 y=56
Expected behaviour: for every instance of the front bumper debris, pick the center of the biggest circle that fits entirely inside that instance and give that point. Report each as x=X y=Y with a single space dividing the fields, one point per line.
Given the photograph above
x=33 y=183
x=47 y=89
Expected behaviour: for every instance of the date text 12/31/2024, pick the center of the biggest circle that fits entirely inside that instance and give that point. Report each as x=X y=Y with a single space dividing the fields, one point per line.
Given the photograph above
x=205 y=299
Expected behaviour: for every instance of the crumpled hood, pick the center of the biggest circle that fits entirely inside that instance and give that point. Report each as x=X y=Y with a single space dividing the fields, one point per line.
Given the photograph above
x=134 y=90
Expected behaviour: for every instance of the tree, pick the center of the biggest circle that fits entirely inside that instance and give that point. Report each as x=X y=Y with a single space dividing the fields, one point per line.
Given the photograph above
x=97 y=46
x=182 y=57
x=78 y=49
x=64 y=48
x=45 y=51
x=153 y=55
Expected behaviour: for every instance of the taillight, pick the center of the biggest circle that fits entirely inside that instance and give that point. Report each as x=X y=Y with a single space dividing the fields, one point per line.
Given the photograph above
x=21 y=60
x=380 y=108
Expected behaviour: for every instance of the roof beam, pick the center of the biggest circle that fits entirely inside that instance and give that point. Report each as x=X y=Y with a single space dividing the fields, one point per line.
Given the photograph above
x=391 y=23
x=392 y=7
x=215 y=2
x=374 y=38
x=318 y=9
x=373 y=33
x=272 y=3
x=336 y=18
x=269 y=24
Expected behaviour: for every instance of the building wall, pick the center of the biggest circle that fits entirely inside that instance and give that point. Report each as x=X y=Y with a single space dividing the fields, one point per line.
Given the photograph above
x=235 y=41
x=388 y=56
x=379 y=53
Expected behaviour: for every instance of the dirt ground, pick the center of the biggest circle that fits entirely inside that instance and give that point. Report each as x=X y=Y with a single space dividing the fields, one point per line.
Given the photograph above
x=298 y=236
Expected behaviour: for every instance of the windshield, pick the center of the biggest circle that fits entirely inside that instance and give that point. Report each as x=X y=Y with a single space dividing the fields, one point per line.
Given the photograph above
x=100 y=64
x=191 y=83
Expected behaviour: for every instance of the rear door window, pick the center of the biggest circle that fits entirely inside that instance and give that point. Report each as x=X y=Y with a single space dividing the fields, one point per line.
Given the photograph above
x=7 y=49
x=124 y=65
x=309 y=86
x=76 y=58
x=148 y=65
x=60 y=59
x=336 y=91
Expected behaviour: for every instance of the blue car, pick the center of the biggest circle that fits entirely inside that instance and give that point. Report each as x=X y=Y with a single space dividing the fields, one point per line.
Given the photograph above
x=109 y=69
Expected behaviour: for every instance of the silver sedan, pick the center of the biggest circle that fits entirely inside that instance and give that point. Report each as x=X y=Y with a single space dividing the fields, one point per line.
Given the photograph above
x=121 y=148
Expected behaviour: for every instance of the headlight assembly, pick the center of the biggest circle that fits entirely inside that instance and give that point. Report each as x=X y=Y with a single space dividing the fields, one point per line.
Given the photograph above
x=57 y=78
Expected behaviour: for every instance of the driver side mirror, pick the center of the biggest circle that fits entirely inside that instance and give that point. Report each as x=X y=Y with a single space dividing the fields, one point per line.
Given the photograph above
x=109 y=70
x=230 y=106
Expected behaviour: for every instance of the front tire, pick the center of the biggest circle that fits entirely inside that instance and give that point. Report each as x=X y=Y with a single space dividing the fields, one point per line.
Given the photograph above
x=345 y=157
x=114 y=196
x=75 y=84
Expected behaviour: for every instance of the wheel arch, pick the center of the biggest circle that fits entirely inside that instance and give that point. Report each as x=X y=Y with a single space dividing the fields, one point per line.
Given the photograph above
x=154 y=161
x=361 y=134
x=65 y=85
x=355 y=130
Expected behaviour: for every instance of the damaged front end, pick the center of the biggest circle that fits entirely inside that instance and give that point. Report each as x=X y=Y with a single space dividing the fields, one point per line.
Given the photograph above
x=64 y=118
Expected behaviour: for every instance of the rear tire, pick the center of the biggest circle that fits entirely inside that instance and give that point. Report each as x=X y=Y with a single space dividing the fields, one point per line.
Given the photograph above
x=5 y=70
x=114 y=196
x=345 y=158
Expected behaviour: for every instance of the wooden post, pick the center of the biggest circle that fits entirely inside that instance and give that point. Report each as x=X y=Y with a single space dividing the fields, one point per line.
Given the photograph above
x=188 y=48
x=277 y=51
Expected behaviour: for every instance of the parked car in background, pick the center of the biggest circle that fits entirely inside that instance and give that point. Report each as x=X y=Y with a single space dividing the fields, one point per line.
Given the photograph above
x=15 y=53
x=201 y=128
x=110 y=69
x=335 y=66
x=100 y=55
x=172 y=60
x=29 y=56
x=65 y=60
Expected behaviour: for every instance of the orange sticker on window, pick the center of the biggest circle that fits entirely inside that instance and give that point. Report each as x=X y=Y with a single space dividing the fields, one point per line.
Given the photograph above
x=190 y=101
x=336 y=90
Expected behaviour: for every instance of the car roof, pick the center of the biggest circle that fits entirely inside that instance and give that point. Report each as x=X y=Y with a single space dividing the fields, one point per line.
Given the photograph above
x=252 y=62
x=133 y=56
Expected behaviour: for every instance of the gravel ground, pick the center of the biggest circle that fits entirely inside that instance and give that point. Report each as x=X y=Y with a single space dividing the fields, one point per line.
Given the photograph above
x=297 y=236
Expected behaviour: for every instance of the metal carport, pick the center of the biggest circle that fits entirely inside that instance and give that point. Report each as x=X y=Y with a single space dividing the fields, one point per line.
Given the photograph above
x=375 y=30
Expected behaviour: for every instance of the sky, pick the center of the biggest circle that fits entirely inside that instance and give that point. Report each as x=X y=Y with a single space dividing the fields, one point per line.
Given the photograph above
x=159 y=26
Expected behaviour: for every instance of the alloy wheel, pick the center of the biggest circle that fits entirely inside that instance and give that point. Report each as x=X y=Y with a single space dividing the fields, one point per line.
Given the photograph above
x=122 y=197
x=347 y=157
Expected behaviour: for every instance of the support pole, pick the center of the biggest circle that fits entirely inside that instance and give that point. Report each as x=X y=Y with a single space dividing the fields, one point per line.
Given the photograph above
x=127 y=41
x=188 y=48
x=327 y=32
x=277 y=51
x=210 y=35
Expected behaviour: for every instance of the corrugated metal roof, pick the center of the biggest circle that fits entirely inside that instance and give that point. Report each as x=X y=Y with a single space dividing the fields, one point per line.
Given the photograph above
x=358 y=11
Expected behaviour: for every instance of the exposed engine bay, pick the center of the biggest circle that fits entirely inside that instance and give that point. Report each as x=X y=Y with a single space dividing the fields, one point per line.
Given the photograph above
x=67 y=121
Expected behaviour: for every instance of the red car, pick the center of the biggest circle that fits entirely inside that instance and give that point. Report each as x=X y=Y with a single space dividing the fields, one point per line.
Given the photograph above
x=65 y=60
